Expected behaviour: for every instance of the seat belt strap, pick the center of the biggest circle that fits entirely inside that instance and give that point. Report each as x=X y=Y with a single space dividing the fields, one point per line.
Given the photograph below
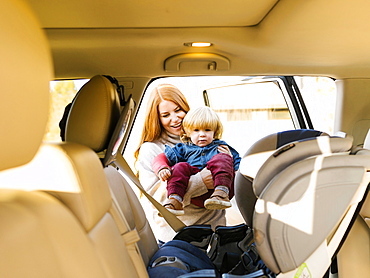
x=130 y=238
x=175 y=223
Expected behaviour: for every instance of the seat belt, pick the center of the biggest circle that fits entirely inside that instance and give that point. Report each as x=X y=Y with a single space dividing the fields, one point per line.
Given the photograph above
x=175 y=223
x=130 y=238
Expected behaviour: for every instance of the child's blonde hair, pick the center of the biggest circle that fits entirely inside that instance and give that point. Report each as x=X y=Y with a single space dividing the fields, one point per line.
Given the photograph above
x=201 y=118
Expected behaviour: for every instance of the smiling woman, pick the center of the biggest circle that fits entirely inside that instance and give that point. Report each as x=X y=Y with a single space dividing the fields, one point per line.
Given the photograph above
x=158 y=133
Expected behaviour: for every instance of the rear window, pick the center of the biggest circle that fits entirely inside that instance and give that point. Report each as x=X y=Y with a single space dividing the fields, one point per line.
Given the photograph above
x=61 y=93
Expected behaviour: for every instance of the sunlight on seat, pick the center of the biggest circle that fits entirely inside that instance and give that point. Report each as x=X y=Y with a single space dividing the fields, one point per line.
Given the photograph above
x=298 y=214
x=50 y=170
x=324 y=144
x=250 y=165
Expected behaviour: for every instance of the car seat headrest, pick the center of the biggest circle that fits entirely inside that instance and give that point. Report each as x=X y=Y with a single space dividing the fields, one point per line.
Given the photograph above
x=254 y=158
x=276 y=140
x=263 y=148
x=295 y=151
x=94 y=114
x=27 y=70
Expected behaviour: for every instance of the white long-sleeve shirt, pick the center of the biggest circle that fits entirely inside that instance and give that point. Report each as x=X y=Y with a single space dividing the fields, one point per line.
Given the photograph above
x=194 y=215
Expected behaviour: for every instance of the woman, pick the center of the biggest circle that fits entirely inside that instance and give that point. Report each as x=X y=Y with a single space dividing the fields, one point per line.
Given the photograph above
x=166 y=109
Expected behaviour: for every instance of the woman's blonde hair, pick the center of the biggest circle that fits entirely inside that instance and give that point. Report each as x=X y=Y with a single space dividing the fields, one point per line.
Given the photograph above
x=153 y=128
x=201 y=118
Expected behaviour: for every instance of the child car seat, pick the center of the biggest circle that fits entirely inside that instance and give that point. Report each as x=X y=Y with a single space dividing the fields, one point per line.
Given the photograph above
x=307 y=193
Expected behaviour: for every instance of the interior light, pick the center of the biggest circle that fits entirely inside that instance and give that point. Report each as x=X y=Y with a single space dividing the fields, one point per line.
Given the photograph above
x=198 y=44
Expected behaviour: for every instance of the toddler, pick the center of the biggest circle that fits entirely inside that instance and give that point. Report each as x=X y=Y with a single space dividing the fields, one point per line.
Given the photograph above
x=201 y=147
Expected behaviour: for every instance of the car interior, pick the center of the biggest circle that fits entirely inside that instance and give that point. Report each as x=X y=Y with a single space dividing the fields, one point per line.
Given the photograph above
x=289 y=79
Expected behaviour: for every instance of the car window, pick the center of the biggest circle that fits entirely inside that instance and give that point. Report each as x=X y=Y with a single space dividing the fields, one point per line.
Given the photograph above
x=319 y=95
x=61 y=93
x=250 y=110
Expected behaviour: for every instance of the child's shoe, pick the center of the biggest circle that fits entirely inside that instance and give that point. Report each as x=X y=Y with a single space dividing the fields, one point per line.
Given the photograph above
x=174 y=206
x=218 y=200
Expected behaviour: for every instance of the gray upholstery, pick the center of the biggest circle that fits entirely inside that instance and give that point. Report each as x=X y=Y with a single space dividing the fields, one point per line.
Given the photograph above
x=254 y=158
x=302 y=206
x=294 y=152
x=307 y=192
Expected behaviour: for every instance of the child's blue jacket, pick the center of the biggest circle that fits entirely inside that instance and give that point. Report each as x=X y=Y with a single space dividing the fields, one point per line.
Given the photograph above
x=197 y=156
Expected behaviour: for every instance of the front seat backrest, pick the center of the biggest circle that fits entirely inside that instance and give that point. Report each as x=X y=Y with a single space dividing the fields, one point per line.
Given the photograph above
x=98 y=119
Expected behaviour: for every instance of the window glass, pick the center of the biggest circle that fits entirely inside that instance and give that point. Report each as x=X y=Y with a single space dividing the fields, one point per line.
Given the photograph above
x=61 y=93
x=250 y=111
x=319 y=95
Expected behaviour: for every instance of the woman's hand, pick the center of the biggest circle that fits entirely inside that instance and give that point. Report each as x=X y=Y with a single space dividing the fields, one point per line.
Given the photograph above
x=207 y=178
x=224 y=149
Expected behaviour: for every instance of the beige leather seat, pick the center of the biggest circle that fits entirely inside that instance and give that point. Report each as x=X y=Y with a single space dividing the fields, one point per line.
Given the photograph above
x=92 y=119
x=307 y=193
x=73 y=174
x=38 y=235
x=354 y=256
x=70 y=226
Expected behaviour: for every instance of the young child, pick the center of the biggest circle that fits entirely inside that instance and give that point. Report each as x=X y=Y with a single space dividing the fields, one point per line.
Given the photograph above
x=201 y=147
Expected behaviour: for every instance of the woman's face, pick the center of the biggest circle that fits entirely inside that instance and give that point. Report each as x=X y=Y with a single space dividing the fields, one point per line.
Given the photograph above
x=171 y=115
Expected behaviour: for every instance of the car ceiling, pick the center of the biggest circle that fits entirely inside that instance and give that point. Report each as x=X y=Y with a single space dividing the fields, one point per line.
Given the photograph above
x=134 y=38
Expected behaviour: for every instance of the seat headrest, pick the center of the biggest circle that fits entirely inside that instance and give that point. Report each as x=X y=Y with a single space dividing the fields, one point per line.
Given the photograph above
x=27 y=70
x=295 y=151
x=276 y=140
x=94 y=114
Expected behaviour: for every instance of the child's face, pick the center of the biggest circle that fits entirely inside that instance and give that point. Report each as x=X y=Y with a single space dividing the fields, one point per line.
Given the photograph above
x=201 y=136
